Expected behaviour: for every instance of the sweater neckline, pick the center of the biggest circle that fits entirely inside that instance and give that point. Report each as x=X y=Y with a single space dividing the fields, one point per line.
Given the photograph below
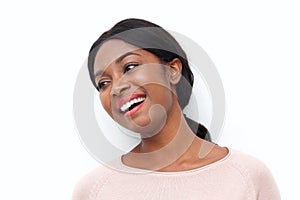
x=130 y=169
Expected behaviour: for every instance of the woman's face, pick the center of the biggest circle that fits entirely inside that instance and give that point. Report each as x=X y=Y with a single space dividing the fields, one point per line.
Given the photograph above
x=134 y=86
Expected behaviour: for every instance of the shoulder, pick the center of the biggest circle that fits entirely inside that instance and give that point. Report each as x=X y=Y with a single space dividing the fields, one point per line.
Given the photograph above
x=255 y=173
x=247 y=164
x=91 y=182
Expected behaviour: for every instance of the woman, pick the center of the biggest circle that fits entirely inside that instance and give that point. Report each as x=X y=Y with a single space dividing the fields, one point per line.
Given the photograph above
x=144 y=82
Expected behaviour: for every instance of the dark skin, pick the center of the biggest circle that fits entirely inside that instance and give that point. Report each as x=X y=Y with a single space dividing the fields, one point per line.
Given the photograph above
x=167 y=142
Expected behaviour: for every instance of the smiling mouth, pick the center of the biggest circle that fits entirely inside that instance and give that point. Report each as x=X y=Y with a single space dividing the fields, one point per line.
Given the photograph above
x=133 y=103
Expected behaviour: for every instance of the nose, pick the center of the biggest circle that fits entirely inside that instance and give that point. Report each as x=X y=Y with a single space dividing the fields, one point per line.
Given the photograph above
x=120 y=87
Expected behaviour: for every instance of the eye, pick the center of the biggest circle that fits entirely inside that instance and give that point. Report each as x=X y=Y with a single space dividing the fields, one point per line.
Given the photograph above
x=102 y=85
x=130 y=67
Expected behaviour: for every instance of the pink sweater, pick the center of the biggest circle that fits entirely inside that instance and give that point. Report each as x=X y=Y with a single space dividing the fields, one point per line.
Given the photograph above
x=235 y=177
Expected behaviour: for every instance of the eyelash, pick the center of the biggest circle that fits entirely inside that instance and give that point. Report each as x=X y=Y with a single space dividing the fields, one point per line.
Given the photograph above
x=126 y=68
x=101 y=85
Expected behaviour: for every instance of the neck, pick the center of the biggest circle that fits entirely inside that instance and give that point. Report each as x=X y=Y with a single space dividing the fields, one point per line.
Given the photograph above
x=173 y=128
x=165 y=147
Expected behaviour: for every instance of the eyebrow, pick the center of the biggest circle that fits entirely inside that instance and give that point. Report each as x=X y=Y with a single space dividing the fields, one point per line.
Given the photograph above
x=118 y=60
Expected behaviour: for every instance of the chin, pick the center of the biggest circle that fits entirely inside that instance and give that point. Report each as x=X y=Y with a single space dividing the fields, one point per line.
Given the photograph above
x=144 y=127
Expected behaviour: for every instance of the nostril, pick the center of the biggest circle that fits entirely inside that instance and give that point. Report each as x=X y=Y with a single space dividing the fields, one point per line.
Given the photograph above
x=122 y=90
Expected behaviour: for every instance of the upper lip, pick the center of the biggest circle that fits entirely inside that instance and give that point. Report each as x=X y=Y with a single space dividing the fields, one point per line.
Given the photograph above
x=128 y=98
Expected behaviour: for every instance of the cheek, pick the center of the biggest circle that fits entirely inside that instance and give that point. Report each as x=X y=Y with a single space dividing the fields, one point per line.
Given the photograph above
x=150 y=74
x=105 y=101
x=161 y=95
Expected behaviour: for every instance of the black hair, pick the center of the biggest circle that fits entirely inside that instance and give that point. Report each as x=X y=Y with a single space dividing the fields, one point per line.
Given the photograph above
x=156 y=40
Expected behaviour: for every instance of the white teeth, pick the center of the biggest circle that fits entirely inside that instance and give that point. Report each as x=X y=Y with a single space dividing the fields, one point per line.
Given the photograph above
x=130 y=103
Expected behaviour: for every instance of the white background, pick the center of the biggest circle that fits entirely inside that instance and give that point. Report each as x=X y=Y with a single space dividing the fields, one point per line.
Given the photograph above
x=254 y=44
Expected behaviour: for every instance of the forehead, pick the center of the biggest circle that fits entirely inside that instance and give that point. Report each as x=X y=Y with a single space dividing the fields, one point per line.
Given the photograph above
x=110 y=51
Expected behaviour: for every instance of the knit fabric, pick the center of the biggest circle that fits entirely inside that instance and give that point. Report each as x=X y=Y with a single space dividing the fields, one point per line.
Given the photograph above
x=236 y=177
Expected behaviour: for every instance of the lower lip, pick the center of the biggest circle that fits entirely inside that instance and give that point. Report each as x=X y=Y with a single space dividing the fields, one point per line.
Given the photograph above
x=134 y=110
